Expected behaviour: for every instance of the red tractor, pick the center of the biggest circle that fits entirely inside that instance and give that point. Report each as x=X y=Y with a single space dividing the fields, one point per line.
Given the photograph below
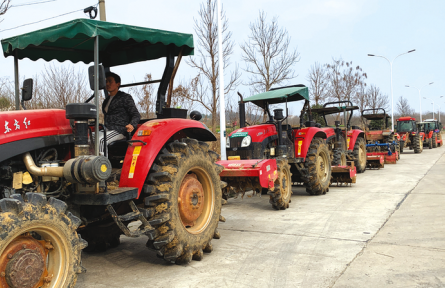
x=409 y=135
x=380 y=140
x=433 y=129
x=53 y=189
x=345 y=143
x=273 y=155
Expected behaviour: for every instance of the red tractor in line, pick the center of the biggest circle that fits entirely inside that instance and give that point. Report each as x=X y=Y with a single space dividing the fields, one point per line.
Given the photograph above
x=382 y=144
x=409 y=134
x=271 y=156
x=53 y=189
x=432 y=130
x=345 y=143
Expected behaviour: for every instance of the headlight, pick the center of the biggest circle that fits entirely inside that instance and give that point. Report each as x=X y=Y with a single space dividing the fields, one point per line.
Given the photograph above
x=228 y=142
x=246 y=141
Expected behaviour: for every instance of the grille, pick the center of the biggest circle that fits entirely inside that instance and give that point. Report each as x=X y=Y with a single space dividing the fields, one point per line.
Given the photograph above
x=236 y=142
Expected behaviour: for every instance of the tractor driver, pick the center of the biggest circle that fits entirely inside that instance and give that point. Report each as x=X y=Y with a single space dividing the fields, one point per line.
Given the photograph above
x=120 y=112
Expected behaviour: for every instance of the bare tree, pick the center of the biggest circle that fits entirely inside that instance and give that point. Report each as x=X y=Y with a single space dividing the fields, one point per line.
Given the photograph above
x=361 y=97
x=145 y=97
x=318 y=83
x=403 y=107
x=6 y=95
x=344 y=79
x=206 y=29
x=4 y=6
x=267 y=54
x=60 y=86
x=376 y=99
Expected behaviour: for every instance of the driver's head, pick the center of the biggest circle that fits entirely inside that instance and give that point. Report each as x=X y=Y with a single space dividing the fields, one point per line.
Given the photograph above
x=113 y=82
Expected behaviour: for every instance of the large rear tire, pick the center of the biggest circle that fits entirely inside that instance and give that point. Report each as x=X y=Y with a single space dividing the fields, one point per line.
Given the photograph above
x=402 y=144
x=360 y=155
x=417 y=143
x=318 y=165
x=39 y=246
x=434 y=140
x=185 y=197
x=283 y=186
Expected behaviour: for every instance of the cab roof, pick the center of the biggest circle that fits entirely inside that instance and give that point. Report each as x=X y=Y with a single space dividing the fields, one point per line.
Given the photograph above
x=280 y=95
x=118 y=43
x=407 y=118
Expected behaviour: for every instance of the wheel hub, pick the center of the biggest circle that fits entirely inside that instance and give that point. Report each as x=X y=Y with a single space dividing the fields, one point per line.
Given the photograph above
x=23 y=263
x=191 y=200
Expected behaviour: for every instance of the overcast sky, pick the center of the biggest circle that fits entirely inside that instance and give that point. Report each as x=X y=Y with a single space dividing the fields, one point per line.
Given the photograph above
x=320 y=29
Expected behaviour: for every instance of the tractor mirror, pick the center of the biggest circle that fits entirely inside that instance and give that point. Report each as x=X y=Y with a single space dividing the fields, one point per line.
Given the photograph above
x=27 y=89
x=101 y=77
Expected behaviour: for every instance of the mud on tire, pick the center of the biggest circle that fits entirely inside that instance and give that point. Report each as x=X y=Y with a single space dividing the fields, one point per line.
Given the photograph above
x=434 y=140
x=359 y=153
x=318 y=165
x=417 y=143
x=280 y=198
x=339 y=158
x=185 y=198
x=42 y=232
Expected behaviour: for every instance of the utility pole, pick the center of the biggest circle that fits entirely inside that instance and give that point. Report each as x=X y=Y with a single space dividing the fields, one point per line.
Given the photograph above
x=103 y=16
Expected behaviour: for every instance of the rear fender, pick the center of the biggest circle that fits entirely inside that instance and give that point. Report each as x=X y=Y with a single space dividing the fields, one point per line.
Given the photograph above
x=303 y=138
x=140 y=157
x=352 y=138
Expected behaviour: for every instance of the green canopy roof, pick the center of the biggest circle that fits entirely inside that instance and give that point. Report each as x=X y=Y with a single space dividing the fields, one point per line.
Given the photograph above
x=280 y=95
x=118 y=43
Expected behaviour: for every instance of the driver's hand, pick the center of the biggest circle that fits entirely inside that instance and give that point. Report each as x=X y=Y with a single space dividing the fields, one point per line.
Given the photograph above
x=129 y=127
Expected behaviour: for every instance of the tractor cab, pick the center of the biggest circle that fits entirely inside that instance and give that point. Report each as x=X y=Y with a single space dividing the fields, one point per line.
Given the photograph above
x=344 y=138
x=406 y=124
x=409 y=134
x=375 y=119
x=275 y=136
x=106 y=45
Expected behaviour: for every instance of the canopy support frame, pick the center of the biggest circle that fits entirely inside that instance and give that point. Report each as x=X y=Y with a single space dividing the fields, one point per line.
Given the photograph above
x=16 y=81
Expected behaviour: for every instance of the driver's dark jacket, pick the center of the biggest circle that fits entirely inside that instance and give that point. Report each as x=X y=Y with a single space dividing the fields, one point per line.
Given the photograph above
x=121 y=112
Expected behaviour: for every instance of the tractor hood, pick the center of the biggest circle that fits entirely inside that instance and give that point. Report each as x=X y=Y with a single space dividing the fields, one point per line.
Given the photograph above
x=257 y=132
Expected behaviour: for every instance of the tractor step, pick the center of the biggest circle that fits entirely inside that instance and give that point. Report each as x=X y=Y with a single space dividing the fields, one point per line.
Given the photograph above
x=344 y=174
x=138 y=214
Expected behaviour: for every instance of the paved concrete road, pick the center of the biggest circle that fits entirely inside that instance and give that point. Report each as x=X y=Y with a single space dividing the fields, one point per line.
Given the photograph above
x=385 y=231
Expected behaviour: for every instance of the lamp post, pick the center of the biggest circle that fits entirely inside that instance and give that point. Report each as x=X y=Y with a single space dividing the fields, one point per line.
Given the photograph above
x=420 y=97
x=439 y=107
x=432 y=102
x=390 y=66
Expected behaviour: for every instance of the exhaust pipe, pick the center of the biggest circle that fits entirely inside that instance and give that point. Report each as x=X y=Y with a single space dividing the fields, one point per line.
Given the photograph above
x=41 y=171
x=80 y=170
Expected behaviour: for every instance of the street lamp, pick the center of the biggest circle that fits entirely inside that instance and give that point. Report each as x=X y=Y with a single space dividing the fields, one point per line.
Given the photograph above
x=432 y=102
x=390 y=65
x=439 y=108
x=420 y=97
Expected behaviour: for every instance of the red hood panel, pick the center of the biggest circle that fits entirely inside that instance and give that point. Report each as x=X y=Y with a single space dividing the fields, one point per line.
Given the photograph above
x=24 y=124
x=257 y=132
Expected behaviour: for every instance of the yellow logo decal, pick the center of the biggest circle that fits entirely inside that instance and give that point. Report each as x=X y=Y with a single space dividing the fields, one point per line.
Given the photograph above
x=103 y=168
x=349 y=139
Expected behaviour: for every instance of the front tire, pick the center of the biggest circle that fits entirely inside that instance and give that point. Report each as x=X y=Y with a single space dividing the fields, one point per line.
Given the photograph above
x=39 y=245
x=280 y=198
x=185 y=197
x=360 y=155
x=318 y=165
